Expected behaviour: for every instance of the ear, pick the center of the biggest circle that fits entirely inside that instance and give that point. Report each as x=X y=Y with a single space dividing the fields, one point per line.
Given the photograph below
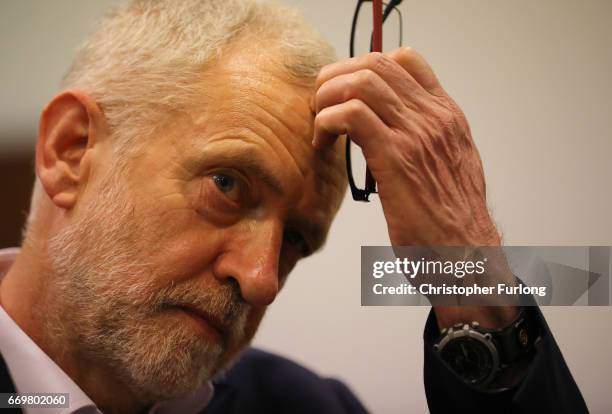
x=70 y=126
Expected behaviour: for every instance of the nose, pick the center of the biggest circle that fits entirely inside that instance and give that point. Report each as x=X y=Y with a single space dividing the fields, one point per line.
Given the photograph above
x=252 y=259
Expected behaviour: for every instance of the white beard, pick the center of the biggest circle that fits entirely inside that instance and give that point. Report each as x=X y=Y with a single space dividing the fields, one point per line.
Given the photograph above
x=112 y=312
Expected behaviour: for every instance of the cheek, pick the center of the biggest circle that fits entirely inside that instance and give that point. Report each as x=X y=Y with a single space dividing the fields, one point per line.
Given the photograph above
x=171 y=235
x=188 y=251
x=176 y=241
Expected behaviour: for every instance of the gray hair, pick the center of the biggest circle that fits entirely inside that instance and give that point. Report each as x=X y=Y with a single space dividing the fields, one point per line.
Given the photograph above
x=145 y=56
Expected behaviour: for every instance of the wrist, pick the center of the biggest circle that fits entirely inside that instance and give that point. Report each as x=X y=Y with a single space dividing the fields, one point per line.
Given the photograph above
x=489 y=358
x=492 y=317
x=498 y=271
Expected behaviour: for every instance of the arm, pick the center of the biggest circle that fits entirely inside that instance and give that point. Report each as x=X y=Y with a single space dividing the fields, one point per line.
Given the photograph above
x=419 y=148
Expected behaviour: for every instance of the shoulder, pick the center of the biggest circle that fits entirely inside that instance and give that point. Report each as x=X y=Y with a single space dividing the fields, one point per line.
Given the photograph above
x=263 y=365
x=266 y=382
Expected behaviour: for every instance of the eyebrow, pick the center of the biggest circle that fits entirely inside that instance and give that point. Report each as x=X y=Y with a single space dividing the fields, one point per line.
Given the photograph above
x=250 y=161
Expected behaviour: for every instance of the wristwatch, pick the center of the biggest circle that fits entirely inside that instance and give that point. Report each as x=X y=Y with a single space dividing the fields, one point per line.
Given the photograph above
x=478 y=355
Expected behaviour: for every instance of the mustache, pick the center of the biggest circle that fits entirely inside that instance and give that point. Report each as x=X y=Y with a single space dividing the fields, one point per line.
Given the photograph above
x=222 y=304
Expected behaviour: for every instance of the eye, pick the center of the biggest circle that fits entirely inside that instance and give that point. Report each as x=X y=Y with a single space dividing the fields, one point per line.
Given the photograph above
x=224 y=182
x=297 y=241
x=233 y=188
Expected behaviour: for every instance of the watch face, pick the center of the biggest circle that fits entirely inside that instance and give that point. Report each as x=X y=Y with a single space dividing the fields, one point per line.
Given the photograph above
x=470 y=358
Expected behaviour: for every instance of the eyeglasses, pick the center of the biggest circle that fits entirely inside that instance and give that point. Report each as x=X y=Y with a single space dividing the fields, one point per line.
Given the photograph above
x=379 y=17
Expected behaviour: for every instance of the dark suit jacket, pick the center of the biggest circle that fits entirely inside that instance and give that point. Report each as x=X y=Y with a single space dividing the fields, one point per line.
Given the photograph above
x=261 y=382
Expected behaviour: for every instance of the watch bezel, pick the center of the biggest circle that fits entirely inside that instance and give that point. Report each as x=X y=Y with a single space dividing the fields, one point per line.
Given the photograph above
x=460 y=332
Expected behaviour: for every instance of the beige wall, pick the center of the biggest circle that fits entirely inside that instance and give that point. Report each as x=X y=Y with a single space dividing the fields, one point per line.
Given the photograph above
x=533 y=79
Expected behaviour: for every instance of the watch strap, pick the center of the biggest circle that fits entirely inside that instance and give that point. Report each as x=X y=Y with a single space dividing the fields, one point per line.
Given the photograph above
x=515 y=340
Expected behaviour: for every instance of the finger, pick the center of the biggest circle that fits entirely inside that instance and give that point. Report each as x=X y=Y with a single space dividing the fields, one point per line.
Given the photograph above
x=415 y=64
x=384 y=66
x=352 y=117
x=364 y=85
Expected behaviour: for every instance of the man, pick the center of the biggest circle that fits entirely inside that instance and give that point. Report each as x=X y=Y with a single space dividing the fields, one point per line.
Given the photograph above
x=178 y=183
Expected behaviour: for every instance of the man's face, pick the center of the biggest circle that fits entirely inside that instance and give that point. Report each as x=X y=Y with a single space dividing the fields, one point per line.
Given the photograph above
x=169 y=266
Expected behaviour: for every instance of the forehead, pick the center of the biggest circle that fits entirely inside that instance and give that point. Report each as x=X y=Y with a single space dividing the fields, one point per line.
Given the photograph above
x=249 y=105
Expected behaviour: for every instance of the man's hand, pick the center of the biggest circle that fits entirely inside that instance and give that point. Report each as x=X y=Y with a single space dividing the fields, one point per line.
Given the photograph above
x=416 y=142
x=418 y=146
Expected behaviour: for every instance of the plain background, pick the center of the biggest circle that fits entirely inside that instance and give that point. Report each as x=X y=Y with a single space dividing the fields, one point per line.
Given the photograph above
x=533 y=80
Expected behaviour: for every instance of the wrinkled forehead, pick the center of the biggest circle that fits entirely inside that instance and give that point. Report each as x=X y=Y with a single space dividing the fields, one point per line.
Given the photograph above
x=248 y=97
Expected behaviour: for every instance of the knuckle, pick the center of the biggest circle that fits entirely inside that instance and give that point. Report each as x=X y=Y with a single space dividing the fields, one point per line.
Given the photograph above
x=406 y=57
x=363 y=78
x=379 y=59
x=354 y=108
x=386 y=64
x=376 y=56
x=351 y=86
x=406 y=52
